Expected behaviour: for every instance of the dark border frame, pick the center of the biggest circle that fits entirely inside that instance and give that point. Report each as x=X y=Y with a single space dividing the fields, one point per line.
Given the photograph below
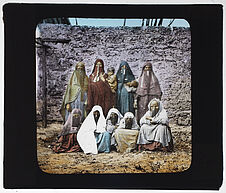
x=20 y=163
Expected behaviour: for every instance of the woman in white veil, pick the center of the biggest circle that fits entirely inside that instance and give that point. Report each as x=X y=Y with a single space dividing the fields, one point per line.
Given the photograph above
x=86 y=137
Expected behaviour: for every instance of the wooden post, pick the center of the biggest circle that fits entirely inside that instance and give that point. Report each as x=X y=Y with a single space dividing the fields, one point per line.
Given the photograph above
x=160 y=22
x=44 y=48
x=155 y=24
x=124 y=24
x=142 y=23
x=151 y=22
x=44 y=90
x=147 y=22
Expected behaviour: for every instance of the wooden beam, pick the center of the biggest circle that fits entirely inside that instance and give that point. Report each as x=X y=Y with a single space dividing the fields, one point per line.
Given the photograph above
x=44 y=89
x=54 y=40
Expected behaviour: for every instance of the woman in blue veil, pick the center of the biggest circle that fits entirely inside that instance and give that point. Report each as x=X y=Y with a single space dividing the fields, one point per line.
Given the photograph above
x=125 y=95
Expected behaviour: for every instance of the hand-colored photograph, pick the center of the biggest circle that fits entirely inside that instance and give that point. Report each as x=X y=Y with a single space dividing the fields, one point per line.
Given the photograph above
x=113 y=95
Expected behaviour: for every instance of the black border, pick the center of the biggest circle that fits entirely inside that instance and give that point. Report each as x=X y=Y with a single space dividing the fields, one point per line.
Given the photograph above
x=20 y=164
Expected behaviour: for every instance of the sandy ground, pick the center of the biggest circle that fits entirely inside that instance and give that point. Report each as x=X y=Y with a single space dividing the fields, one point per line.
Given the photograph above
x=136 y=162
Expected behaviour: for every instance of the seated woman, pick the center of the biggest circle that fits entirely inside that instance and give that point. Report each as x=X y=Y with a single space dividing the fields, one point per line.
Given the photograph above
x=126 y=134
x=104 y=139
x=94 y=122
x=67 y=139
x=155 y=132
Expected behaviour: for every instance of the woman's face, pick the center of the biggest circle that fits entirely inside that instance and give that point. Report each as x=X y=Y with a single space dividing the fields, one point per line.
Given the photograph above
x=147 y=68
x=76 y=115
x=128 y=123
x=99 y=64
x=114 y=118
x=96 y=115
x=154 y=108
x=80 y=68
x=123 y=67
x=75 y=120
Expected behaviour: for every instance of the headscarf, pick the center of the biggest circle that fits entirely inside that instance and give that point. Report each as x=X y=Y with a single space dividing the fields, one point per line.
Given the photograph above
x=135 y=126
x=116 y=111
x=124 y=76
x=161 y=115
x=68 y=128
x=74 y=87
x=95 y=76
x=148 y=83
x=85 y=136
x=128 y=76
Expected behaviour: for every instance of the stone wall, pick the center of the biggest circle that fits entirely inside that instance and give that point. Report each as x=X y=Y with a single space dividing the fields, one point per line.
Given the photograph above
x=168 y=49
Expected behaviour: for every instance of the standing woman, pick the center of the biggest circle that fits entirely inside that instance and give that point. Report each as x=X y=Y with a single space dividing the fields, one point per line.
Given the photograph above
x=147 y=89
x=76 y=93
x=99 y=91
x=126 y=88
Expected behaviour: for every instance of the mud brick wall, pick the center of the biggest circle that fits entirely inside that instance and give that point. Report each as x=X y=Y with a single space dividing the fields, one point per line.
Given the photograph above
x=169 y=50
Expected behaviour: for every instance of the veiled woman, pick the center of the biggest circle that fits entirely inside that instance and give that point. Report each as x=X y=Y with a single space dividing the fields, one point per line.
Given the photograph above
x=125 y=89
x=76 y=92
x=148 y=88
x=126 y=134
x=67 y=139
x=94 y=122
x=105 y=139
x=99 y=91
x=155 y=133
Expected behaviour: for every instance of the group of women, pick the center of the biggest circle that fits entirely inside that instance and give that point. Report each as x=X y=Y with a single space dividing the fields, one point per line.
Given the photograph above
x=99 y=111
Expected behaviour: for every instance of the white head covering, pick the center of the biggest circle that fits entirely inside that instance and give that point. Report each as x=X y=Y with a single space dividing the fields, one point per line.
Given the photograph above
x=128 y=115
x=161 y=114
x=85 y=136
x=116 y=111
x=68 y=127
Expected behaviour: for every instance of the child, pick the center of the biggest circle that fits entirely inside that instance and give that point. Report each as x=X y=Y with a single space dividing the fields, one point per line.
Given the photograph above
x=112 y=79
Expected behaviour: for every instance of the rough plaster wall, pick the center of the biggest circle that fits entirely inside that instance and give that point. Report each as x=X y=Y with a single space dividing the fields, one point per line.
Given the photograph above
x=169 y=50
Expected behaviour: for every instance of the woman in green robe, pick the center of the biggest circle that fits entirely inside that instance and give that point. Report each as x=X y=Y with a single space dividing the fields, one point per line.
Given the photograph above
x=76 y=92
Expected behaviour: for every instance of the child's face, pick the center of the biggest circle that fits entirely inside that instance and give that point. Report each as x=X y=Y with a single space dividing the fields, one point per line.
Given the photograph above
x=110 y=73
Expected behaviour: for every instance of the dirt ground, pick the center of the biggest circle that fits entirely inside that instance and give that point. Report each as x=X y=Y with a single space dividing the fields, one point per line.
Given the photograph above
x=136 y=162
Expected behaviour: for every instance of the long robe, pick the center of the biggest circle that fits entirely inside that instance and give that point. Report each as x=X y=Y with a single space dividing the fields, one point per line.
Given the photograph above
x=105 y=139
x=148 y=88
x=75 y=95
x=99 y=91
x=126 y=138
x=125 y=99
x=67 y=139
x=155 y=134
x=78 y=104
x=86 y=136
